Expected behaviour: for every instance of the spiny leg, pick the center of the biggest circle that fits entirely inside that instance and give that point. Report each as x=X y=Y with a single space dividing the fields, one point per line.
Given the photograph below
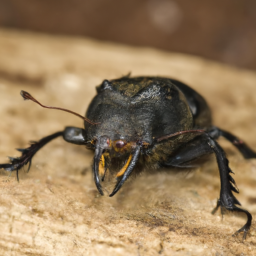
x=70 y=134
x=227 y=199
x=200 y=146
x=27 y=154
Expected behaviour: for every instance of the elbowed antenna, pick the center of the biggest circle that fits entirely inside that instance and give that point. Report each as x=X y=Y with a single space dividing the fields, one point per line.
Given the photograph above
x=28 y=96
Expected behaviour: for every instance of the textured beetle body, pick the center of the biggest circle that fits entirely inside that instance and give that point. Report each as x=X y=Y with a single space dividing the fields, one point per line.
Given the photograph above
x=147 y=122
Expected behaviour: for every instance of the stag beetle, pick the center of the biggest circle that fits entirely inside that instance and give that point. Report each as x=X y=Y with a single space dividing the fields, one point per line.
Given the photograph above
x=147 y=122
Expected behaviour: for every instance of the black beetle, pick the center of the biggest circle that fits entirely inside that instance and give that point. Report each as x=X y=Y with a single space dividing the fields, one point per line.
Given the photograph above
x=147 y=122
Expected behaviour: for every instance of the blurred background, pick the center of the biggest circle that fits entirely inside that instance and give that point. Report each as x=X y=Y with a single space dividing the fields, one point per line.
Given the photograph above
x=221 y=30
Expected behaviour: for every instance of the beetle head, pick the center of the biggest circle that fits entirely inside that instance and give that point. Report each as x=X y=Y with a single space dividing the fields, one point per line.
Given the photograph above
x=113 y=145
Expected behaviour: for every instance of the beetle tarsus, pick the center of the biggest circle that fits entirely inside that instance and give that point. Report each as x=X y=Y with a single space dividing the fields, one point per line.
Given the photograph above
x=234 y=208
x=245 y=229
x=27 y=153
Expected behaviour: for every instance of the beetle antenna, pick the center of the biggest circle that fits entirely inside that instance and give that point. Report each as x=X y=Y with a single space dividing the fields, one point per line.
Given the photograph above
x=179 y=133
x=28 y=96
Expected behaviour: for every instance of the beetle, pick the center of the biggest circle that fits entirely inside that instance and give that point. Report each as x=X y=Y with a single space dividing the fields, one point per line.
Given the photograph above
x=136 y=123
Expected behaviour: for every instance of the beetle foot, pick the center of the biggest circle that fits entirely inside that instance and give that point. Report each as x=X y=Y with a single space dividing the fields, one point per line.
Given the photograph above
x=27 y=154
x=18 y=162
x=244 y=229
x=233 y=208
x=247 y=225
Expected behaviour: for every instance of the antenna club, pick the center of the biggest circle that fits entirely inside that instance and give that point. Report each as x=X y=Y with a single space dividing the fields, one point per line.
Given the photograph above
x=25 y=95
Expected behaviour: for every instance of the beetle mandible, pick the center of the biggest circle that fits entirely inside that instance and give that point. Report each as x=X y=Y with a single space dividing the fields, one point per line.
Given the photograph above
x=147 y=122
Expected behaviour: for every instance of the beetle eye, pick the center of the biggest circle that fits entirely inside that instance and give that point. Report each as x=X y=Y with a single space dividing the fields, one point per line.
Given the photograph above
x=120 y=144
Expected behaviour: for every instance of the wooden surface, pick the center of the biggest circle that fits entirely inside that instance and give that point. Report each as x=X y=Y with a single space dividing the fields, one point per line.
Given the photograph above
x=55 y=209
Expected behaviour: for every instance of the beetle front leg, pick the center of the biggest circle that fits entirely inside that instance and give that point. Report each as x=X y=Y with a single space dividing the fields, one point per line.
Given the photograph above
x=227 y=199
x=70 y=134
x=27 y=154
x=203 y=145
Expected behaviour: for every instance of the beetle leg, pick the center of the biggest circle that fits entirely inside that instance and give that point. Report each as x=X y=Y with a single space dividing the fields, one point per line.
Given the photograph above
x=238 y=143
x=192 y=151
x=128 y=170
x=227 y=199
x=74 y=135
x=203 y=145
x=70 y=134
x=27 y=154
